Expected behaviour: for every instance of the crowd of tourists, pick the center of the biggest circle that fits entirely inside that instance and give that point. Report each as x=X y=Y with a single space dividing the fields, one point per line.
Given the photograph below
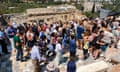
x=41 y=41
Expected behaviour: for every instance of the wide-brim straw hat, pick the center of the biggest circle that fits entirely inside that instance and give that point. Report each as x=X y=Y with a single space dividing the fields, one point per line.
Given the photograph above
x=51 y=66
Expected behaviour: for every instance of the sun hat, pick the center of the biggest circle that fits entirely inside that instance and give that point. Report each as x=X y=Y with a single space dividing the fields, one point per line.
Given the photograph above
x=51 y=66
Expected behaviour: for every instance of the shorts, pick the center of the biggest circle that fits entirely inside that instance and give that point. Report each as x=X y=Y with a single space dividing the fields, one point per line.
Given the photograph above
x=85 y=51
x=95 y=45
x=73 y=53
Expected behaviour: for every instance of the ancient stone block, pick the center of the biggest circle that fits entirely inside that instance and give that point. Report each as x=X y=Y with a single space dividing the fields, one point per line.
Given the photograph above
x=94 y=67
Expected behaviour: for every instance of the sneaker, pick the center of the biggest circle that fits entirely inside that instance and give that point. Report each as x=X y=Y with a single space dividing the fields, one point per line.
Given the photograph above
x=101 y=55
x=22 y=60
x=28 y=56
x=17 y=59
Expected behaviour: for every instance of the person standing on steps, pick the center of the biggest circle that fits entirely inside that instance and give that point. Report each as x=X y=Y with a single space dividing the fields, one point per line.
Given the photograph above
x=10 y=32
x=30 y=41
x=72 y=46
x=58 y=50
x=2 y=41
x=18 y=46
x=71 y=66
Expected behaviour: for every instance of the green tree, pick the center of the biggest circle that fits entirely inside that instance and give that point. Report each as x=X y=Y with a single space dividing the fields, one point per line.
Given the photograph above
x=2 y=9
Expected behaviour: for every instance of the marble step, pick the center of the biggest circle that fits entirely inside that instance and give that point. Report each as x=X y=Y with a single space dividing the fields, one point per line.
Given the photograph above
x=93 y=67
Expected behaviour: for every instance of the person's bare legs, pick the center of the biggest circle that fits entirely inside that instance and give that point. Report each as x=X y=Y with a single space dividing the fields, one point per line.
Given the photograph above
x=91 y=50
x=96 y=52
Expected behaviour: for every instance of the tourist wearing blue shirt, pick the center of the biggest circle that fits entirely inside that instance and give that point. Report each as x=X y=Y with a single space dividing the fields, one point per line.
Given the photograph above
x=10 y=32
x=80 y=31
x=72 y=46
x=71 y=66
x=2 y=42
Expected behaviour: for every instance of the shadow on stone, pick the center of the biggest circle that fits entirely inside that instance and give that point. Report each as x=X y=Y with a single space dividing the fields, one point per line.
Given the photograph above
x=6 y=63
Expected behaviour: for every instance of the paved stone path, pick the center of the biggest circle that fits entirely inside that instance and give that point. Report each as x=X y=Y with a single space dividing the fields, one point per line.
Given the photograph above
x=19 y=66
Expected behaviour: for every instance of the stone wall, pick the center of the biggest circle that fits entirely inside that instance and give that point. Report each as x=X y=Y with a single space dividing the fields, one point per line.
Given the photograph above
x=48 y=15
x=88 y=6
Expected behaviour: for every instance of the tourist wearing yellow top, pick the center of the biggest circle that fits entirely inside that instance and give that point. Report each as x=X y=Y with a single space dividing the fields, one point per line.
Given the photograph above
x=85 y=47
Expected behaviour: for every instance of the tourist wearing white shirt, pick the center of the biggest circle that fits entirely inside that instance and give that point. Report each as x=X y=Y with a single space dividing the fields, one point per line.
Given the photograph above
x=58 y=49
x=108 y=37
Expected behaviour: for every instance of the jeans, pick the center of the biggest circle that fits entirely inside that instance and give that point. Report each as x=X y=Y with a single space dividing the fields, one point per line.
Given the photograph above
x=104 y=47
x=19 y=54
x=3 y=46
